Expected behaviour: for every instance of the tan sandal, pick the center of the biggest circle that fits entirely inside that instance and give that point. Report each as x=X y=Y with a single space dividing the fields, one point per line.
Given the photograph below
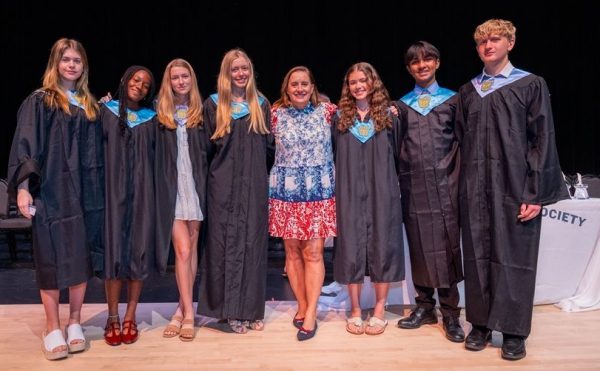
x=355 y=325
x=376 y=326
x=187 y=331
x=173 y=328
x=256 y=325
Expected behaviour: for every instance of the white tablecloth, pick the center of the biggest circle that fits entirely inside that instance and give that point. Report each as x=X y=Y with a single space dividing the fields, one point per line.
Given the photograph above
x=568 y=263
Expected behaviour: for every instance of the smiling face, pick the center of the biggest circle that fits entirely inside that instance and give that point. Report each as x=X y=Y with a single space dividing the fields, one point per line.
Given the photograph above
x=423 y=69
x=138 y=86
x=181 y=81
x=240 y=73
x=70 y=68
x=299 y=89
x=359 y=85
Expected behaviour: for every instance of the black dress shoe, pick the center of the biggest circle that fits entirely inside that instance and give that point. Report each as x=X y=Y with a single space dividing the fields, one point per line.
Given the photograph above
x=419 y=316
x=513 y=347
x=478 y=338
x=453 y=330
x=304 y=334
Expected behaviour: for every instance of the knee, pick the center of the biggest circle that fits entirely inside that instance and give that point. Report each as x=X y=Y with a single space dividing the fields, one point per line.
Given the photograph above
x=183 y=252
x=313 y=256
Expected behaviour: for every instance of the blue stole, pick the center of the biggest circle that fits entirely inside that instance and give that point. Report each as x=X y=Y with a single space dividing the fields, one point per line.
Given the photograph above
x=490 y=85
x=134 y=118
x=238 y=109
x=425 y=103
x=74 y=99
x=363 y=130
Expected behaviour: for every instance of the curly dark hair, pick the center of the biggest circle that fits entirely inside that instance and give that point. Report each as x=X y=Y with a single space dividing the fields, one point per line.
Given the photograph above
x=379 y=100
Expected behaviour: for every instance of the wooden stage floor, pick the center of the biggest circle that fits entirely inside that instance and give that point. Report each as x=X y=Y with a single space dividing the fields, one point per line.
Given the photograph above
x=559 y=341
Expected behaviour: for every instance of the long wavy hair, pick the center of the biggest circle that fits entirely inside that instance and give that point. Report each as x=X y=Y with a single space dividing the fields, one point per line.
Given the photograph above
x=121 y=94
x=55 y=96
x=257 y=117
x=379 y=100
x=166 y=102
x=284 y=99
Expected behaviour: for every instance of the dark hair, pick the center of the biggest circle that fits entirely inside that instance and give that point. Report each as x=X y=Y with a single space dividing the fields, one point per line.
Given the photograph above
x=121 y=94
x=421 y=49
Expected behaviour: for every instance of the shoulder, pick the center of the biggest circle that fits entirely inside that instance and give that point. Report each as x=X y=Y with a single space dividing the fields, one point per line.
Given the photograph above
x=210 y=103
x=264 y=103
x=330 y=110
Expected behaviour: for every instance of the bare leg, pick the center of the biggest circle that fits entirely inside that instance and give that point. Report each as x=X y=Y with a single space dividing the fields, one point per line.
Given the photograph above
x=76 y=295
x=194 y=229
x=113 y=292
x=381 y=294
x=354 y=290
x=183 y=232
x=314 y=274
x=50 y=301
x=294 y=264
x=134 y=290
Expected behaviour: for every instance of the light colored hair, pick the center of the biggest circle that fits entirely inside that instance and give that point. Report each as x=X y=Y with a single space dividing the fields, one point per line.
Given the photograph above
x=495 y=26
x=257 y=117
x=166 y=104
x=284 y=99
x=55 y=97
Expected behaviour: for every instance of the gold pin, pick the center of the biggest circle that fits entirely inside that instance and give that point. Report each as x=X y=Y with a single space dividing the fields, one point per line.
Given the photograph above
x=487 y=85
x=363 y=130
x=424 y=100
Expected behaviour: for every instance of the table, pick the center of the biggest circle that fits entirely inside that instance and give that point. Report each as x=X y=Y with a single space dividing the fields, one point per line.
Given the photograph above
x=568 y=263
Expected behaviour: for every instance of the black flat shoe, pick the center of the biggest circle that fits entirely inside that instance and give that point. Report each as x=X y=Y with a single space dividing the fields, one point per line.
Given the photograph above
x=478 y=338
x=419 y=316
x=513 y=347
x=453 y=330
x=304 y=334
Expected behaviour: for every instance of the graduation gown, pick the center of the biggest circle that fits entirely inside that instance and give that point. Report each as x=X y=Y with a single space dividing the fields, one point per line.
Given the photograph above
x=61 y=156
x=234 y=262
x=428 y=174
x=509 y=157
x=130 y=199
x=166 y=182
x=368 y=210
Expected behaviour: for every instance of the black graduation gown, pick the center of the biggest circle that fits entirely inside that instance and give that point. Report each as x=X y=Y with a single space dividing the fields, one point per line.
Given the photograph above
x=130 y=200
x=61 y=155
x=428 y=168
x=509 y=157
x=368 y=210
x=166 y=182
x=234 y=261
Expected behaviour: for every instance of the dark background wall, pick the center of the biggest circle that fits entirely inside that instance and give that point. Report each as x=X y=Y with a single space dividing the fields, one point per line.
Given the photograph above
x=557 y=43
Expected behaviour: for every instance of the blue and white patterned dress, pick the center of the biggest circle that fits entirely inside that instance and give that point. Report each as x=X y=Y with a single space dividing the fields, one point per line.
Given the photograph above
x=301 y=183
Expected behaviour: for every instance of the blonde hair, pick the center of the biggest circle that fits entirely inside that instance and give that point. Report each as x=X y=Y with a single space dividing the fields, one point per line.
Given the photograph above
x=257 y=118
x=284 y=99
x=55 y=96
x=166 y=103
x=379 y=100
x=495 y=26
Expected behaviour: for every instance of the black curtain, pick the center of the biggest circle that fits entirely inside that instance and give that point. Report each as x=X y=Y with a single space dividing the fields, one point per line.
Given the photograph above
x=554 y=42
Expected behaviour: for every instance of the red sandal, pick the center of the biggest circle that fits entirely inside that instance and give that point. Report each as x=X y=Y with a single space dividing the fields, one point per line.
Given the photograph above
x=130 y=332
x=112 y=332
